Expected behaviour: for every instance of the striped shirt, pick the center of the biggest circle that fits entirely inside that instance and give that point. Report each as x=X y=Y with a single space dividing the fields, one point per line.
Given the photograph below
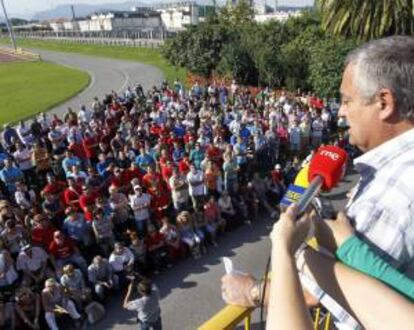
x=381 y=209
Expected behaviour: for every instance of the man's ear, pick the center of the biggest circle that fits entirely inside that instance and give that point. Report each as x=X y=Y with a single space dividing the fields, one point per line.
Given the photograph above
x=387 y=104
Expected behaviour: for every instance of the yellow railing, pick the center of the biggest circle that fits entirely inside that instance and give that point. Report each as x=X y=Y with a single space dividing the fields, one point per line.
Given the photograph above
x=231 y=316
x=228 y=318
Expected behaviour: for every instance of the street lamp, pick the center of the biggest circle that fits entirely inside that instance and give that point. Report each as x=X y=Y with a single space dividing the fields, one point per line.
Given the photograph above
x=9 y=26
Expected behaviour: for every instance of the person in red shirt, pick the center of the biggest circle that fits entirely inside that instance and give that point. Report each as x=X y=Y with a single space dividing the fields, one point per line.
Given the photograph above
x=184 y=165
x=72 y=193
x=157 y=249
x=77 y=149
x=90 y=146
x=63 y=250
x=87 y=199
x=42 y=232
x=159 y=192
x=118 y=180
x=54 y=186
x=164 y=158
x=167 y=171
x=133 y=172
x=215 y=154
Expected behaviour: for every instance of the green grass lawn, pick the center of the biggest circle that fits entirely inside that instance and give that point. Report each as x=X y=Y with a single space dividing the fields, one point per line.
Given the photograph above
x=143 y=55
x=31 y=87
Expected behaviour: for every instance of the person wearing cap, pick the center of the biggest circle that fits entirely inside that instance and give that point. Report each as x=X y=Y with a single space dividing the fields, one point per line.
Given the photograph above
x=32 y=262
x=140 y=204
x=55 y=302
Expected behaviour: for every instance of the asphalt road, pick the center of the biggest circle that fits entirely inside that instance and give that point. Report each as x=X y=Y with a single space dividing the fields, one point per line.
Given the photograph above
x=106 y=75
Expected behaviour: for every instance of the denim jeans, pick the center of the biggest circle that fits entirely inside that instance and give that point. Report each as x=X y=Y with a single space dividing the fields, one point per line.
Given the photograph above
x=150 y=326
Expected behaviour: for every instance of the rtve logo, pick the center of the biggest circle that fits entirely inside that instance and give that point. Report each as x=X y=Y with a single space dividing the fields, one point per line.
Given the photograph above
x=332 y=155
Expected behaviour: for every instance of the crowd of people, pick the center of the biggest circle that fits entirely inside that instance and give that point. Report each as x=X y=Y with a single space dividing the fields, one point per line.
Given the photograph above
x=133 y=183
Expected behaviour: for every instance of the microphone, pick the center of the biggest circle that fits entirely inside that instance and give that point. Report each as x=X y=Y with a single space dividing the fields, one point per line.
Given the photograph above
x=301 y=179
x=295 y=191
x=326 y=169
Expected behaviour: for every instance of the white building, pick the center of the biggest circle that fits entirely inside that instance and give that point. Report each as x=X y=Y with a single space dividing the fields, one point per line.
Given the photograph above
x=176 y=16
x=124 y=21
x=277 y=16
x=111 y=21
x=57 y=25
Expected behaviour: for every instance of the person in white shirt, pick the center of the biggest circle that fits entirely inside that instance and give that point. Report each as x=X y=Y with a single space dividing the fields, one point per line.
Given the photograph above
x=295 y=137
x=24 y=197
x=140 y=203
x=32 y=261
x=122 y=261
x=25 y=134
x=84 y=115
x=317 y=128
x=23 y=159
x=197 y=189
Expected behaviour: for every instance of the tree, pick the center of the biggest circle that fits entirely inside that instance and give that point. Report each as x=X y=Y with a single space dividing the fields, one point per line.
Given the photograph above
x=240 y=14
x=326 y=65
x=367 y=19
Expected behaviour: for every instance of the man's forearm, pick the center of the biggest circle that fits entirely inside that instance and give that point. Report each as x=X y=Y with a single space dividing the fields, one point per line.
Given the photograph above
x=286 y=306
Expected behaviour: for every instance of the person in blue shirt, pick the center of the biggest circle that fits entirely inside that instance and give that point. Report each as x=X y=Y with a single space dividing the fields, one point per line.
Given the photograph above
x=197 y=156
x=9 y=136
x=178 y=152
x=144 y=160
x=179 y=129
x=10 y=175
x=104 y=166
x=244 y=132
x=76 y=227
x=69 y=161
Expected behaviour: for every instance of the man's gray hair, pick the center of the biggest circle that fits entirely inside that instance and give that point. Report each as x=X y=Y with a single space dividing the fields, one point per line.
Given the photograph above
x=386 y=63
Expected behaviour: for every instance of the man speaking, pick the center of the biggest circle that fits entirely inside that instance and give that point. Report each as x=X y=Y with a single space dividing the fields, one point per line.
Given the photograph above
x=378 y=103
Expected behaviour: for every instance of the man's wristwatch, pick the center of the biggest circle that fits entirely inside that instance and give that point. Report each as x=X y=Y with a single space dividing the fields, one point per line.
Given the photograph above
x=256 y=293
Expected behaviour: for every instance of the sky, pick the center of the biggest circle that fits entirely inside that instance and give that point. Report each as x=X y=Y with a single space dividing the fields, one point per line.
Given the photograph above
x=26 y=8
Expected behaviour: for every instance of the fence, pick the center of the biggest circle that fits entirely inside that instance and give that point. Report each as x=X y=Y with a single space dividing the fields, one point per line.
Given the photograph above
x=150 y=39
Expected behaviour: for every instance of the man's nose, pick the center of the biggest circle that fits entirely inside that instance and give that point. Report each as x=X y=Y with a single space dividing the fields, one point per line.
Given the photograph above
x=342 y=112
